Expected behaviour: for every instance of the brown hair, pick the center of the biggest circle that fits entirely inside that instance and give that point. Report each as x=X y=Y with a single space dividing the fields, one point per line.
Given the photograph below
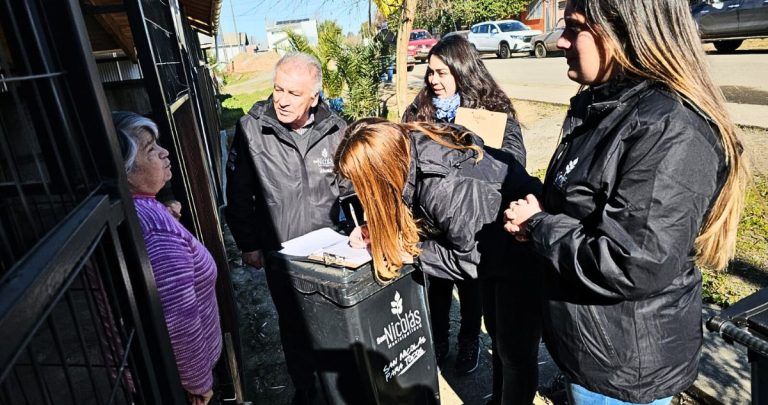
x=473 y=81
x=375 y=155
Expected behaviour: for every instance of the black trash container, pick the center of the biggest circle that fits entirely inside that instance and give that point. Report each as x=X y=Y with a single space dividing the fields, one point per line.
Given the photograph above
x=372 y=344
x=746 y=322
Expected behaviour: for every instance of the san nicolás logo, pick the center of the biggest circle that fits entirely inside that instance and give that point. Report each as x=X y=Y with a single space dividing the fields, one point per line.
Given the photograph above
x=325 y=162
x=399 y=329
x=562 y=177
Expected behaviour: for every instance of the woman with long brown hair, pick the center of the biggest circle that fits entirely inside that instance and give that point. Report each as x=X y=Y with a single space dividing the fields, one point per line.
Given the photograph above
x=647 y=182
x=457 y=77
x=433 y=192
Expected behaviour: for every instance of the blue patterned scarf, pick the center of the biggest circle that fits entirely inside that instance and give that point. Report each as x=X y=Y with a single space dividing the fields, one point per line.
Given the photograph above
x=445 y=108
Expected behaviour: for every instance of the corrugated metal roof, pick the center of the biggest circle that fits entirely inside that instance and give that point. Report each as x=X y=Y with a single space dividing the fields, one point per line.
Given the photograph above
x=118 y=71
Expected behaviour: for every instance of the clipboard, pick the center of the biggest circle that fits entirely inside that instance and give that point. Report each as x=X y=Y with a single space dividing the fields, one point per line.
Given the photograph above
x=328 y=247
x=341 y=254
x=489 y=125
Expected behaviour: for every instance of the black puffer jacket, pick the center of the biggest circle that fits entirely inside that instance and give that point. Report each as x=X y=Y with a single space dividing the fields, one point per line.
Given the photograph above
x=625 y=196
x=273 y=192
x=459 y=202
x=511 y=143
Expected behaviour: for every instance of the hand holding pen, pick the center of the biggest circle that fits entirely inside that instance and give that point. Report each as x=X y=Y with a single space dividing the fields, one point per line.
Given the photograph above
x=360 y=238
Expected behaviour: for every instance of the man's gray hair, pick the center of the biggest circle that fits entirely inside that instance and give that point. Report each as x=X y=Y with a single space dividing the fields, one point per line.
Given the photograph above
x=305 y=59
x=129 y=127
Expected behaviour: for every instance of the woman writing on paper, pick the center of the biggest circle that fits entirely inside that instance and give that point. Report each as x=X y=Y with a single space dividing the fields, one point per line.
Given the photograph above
x=647 y=182
x=457 y=77
x=433 y=192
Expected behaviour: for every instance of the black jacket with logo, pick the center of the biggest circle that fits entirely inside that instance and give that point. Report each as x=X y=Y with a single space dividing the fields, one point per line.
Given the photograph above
x=624 y=198
x=459 y=202
x=273 y=192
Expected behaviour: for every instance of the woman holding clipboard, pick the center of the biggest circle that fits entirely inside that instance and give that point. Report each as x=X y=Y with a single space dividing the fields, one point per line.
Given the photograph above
x=457 y=77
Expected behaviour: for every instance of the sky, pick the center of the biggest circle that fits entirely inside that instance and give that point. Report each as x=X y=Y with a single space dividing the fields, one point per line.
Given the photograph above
x=250 y=15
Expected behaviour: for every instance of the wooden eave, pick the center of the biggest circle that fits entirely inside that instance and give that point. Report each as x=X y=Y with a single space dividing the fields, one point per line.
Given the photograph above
x=113 y=31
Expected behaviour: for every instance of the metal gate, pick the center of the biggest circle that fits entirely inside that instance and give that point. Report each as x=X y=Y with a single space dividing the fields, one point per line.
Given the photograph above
x=80 y=320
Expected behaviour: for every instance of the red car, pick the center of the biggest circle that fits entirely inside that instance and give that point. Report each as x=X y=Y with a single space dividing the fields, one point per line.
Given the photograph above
x=420 y=43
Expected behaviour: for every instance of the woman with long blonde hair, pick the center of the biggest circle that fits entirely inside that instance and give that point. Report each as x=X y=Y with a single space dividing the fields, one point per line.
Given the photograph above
x=647 y=182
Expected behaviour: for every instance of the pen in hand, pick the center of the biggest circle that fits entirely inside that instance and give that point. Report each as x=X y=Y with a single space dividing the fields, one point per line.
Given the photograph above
x=360 y=238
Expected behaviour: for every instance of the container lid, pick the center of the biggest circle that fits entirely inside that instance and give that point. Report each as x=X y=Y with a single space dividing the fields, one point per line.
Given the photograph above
x=342 y=286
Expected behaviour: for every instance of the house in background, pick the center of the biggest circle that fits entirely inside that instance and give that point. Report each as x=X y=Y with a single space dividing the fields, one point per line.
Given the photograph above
x=543 y=14
x=278 y=40
x=230 y=45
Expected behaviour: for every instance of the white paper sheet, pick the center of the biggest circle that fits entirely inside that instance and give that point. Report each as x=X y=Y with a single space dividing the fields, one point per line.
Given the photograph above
x=326 y=240
x=309 y=243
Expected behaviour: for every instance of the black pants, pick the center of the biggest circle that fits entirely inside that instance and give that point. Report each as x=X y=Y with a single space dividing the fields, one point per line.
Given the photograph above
x=294 y=336
x=440 y=294
x=512 y=310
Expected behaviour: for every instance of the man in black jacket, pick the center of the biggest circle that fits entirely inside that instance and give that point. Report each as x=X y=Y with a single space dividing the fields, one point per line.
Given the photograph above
x=280 y=185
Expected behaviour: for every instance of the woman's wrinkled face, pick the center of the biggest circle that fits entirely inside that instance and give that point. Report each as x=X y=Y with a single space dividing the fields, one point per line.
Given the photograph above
x=152 y=168
x=590 y=62
x=440 y=79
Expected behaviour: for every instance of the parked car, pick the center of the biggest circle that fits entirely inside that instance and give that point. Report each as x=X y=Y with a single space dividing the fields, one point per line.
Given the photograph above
x=728 y=23
x=420 y=43
x=546 y=44
x=502 y=37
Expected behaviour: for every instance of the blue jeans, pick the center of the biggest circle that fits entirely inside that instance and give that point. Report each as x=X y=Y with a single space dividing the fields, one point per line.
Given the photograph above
x=578 y=395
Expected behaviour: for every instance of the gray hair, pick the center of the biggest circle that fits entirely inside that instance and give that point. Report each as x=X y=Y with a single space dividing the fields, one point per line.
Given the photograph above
x=306 y=60
x=129 y=127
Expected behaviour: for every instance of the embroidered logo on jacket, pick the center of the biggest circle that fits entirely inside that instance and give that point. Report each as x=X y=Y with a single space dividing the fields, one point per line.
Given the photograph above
x=324 y=163
x=562 y=177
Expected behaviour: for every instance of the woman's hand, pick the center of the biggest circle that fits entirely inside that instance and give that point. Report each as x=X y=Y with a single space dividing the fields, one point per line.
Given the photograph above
x=360 y=238
x=200 y=399
x=516 y=217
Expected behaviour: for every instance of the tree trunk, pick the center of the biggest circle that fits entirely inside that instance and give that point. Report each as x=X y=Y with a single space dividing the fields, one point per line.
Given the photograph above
x=401 y=64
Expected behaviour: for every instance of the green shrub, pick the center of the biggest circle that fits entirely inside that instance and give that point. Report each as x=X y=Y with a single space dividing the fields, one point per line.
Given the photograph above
x=351 y=71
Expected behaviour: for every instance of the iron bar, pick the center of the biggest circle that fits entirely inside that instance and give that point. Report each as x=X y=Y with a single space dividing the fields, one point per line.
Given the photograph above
x=44 y=389
x=12 y=79
x=81 y=339
x=21 y=387
x=123 y=363
x=62 y=358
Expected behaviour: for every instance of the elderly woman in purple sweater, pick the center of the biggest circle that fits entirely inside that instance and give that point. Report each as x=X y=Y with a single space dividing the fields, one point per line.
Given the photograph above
x=184 y=270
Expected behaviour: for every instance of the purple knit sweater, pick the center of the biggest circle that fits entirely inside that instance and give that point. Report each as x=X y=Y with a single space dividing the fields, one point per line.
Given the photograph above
x=185 y=274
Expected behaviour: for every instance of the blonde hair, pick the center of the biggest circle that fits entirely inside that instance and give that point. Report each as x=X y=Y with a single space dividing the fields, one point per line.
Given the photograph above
x=658 y=40
x=375 y=155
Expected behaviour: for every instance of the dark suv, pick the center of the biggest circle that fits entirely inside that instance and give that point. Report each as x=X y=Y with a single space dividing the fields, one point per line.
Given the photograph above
x=728 y=23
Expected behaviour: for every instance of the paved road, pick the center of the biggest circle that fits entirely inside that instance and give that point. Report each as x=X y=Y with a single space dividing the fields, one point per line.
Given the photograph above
x=741 y=76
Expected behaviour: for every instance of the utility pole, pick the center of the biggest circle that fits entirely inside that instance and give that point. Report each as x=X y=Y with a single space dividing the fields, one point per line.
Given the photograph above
x=234 y=22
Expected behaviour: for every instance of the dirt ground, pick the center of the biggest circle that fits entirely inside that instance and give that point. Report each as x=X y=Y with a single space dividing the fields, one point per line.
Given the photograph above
x=266 y=376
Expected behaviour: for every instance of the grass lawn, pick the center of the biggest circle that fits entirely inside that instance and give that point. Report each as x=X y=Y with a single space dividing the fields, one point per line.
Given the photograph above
x=749 y=270
x=235 y=106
